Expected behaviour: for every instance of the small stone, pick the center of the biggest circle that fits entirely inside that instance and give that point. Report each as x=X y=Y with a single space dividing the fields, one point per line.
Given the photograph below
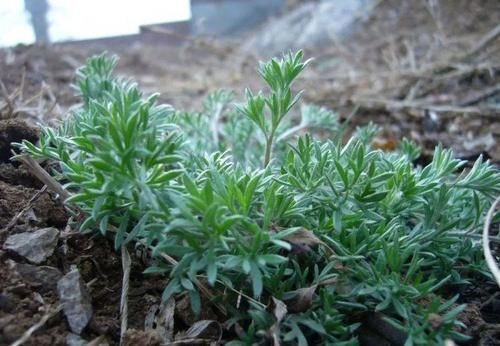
x=75 y=340
x=44 y=277
x=12 y=332
x=36 y=246
x=6 y=303
x=75 y=300
x=6 y=320
x=22 y=290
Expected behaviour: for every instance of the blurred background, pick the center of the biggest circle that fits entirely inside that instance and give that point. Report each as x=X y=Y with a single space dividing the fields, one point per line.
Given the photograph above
x=56 y=21
x=27 y=21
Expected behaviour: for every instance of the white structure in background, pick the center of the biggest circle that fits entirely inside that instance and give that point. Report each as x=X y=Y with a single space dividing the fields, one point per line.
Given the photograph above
x=87 y=19
x=15 y=26
x=310 y=25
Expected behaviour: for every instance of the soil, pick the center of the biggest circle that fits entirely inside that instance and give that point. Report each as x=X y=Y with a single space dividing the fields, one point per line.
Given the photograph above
x=38 y=79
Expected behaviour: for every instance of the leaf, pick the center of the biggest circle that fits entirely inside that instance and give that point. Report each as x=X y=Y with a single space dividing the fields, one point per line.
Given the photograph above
x=385 y=303
x=282 y=244
x=317 y=327
x=301 y=300
x=200 y=328
x=137 y=229
x=303 y=236
x=172 y=288
x=343 y=174
x=121 y=231
x=256 y=276
x=452 y=314
x=400 y=308
x=195 y=300
x=103 y=224
x=280 y=310
x=374 y=197
x=273 y=259
x=155 y=270
x=187 y=284
x=211 y=269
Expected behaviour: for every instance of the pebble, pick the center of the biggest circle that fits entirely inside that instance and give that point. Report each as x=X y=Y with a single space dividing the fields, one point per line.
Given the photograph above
x=36 y=246
x=75 y=299
x=6 y=320
x=44 y=277
x=6 y=303
x=75 y=340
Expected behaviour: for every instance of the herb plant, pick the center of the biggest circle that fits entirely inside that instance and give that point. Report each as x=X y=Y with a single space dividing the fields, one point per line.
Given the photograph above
x=305 y=236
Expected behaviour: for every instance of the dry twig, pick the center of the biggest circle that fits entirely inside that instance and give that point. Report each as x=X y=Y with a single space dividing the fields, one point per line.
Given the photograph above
x=8 y=98
x=479 y=96
x=484 y=41
x=126 y=262
x=484 y=111
x=490 y=261
x=27 y=207
x=43 y=176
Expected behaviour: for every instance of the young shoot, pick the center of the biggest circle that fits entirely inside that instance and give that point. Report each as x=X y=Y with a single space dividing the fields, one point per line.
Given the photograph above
x=268 y=111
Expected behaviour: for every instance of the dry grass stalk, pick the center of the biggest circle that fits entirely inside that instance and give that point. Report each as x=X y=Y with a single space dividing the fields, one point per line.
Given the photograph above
x=490 y=260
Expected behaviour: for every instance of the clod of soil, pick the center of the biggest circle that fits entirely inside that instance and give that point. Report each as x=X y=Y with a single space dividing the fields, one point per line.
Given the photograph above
x=15 y=174
x=47 y=211
x=44 y=277
x=14 y=131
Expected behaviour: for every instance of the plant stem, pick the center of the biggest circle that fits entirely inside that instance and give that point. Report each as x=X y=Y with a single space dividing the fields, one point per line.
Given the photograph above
x=215 y=125
x=269 y=148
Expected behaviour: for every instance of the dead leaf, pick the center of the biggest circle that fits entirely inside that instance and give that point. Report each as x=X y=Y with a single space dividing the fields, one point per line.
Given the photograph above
x=301 y=300
x=303 y=237
x=165 y=323
x=201 y=329
x=161 y=320
x=150 y=318
x=279 y=311
x=389 y=143
x=302 y=240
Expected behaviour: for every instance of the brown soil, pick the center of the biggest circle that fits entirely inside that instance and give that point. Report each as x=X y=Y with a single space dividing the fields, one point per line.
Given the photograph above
x=14 y=131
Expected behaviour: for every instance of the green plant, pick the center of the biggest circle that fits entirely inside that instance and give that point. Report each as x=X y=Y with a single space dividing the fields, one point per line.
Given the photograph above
x=313 y=240
x=267 y=112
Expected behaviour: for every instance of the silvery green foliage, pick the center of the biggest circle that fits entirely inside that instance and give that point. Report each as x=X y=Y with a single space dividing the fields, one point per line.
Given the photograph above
x=380 y=233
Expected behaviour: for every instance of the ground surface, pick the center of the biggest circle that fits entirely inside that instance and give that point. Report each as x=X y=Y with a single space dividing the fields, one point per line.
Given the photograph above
x=415 y=73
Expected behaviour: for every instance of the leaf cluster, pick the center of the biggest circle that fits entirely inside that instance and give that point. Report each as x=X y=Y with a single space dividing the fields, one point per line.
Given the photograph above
x=312 y=240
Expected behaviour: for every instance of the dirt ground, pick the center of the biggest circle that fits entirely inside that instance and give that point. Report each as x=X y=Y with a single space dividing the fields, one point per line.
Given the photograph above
x=414 y=71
